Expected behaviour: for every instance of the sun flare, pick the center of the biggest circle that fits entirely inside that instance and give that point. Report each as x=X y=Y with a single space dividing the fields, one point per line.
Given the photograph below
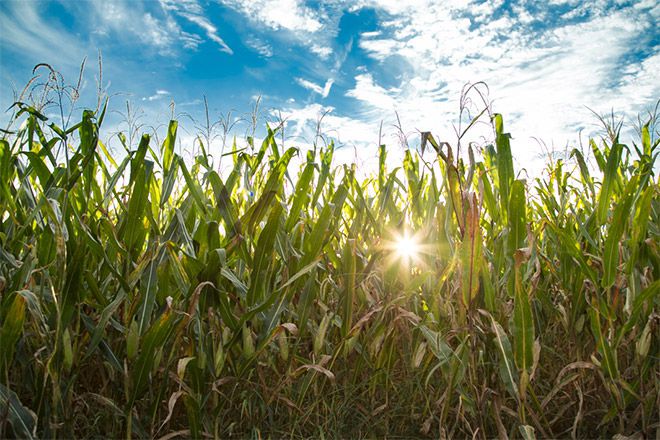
x=407 y=247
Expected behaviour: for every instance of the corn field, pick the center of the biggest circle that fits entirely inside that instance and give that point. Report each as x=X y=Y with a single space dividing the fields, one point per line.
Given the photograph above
x=144 y=295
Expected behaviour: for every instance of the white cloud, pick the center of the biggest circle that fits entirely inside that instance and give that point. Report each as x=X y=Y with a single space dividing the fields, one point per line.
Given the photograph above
x=310 y=27
x=372 y=94
x=378 y=48
x=541 y=80
x=120 y=19
x=211 y=31
x=292 y=15
x=156 y=25
x=192 y=11
x=190 y=41
x=322 y=51
x=26 y=32
x=310 y=85
x=323 y=91
x=158 y=95
x=542 y=68
x=327 y=87
x=639 y=80
x=264 y=49
x=158 y=33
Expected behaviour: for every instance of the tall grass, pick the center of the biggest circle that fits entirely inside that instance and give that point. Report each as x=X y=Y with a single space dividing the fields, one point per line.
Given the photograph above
x=143 y=295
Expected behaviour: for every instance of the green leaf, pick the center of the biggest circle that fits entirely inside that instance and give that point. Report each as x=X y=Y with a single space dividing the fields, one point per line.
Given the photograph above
x=134 y=224
x=263 y=256
x=440 y=349
x=504 y=162
x=11 y=331
x=508 y=372
x=522 y=327
x=148 y=289
x=349 y=263
x=584 y=171
x=168 y=146
x=194 y=188
x=609 y=361
x=329 y=213
x=301 y=195
x=23 y=421
x=615 y=233
x=152 y=341
x=609 y=180
x=517 y=217
x=471 y=253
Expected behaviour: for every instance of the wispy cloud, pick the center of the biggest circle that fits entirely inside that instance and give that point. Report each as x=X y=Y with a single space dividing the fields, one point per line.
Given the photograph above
x=372 y=94
x=546 y=65
x=192 y=11
x=123 y=21
x=264 y=49
x=320 y=50
x=310 y=27
x=25 y=31
x=542 y=75
x=158 y=95
x=291 y=15
x=155 y=25
x=323 y=91
x=545 y=62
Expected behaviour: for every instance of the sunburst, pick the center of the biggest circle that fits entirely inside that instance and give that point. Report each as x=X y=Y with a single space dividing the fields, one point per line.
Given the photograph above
x=406 y=249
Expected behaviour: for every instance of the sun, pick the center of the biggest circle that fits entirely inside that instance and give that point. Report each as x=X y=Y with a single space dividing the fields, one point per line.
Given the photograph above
x=407 y=247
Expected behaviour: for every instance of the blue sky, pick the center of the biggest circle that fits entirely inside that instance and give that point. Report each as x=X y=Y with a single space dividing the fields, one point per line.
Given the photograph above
x=357 y=62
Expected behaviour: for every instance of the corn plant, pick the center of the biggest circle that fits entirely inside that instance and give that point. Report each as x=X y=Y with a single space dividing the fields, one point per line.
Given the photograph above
x=145 y=294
